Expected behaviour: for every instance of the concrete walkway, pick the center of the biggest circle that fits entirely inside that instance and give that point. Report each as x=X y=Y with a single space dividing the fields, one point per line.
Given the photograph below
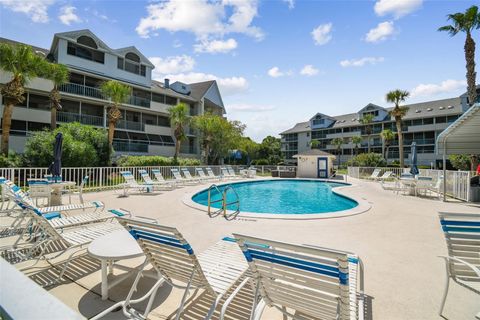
x=398 y=239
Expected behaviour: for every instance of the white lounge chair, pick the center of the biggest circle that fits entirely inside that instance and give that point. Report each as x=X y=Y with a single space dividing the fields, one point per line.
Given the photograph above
x=159 y=178
x=156 y=184
x=203 y=176
x=216 y=270
x=375 y=174
x=181 y=180
x=211 y=174
x=232 y=173
x=315 y=282
x=462 y=234
x=226 y=173
x=188 y=176
x=386 y=175
x=131 y=183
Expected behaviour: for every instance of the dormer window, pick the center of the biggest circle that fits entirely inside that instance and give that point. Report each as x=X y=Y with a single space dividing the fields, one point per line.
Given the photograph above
x=317 y=122
x=374 y=113
x=131 y=63
x=85 y=48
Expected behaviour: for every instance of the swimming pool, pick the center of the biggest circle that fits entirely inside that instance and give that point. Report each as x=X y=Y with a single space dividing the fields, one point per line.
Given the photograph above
x=292 y=197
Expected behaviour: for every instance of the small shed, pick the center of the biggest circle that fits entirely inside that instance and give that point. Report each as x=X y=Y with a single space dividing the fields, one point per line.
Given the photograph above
x=314 y=164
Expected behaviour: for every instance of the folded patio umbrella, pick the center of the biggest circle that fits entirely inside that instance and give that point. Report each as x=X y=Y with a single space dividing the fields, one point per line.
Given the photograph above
x=57 y=157
x=413 y=165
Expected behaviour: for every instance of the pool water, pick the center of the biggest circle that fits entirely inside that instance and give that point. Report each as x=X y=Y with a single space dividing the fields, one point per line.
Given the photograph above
x=282 y=197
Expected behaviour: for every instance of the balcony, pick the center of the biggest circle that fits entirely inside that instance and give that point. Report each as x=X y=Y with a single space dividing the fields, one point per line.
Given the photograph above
x=125 y=146
x=92 y=92
x=130 y=125
x=82 y=118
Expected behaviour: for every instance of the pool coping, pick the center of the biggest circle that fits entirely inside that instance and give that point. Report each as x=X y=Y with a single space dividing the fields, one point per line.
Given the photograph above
x=362 y=206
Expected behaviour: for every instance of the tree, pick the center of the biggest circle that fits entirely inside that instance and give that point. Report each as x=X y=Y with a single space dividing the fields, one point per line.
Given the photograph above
x=117 y=93
x=58 y=74
x=179 y=119
x=396 y=97
x=24 y=65
x=367 y=120
x=314 y=144
x=337 y=142
x=356 y=141
x=460 y=161
x=387 y=136
x=466 y=22
x=270 y=149
x=207 y=125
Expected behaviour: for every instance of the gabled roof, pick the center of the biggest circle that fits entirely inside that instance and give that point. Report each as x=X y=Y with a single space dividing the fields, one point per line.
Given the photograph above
x=199 y=89
x=324 y=116
x=299 y=127
x=73 y=35
x=370 y=106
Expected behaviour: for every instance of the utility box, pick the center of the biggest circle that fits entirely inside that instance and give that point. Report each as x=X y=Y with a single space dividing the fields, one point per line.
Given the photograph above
x=314 y=164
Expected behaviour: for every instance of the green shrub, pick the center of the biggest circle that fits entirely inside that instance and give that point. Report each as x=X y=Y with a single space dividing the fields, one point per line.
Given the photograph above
x=367 y=160
x=460 y=161
x=260 y=162
x=12 y=161
x=83 y=146
x=153 y=161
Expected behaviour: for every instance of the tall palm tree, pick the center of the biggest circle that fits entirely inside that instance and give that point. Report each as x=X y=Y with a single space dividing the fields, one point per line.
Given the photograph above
x=117 y=93
x=398 y=112
x=337 y=142
x=24 y=65
x=356 y=141
x=367 y=120
x=58 y=74
x=466 y=22
x=387 y=136
x=179 y=119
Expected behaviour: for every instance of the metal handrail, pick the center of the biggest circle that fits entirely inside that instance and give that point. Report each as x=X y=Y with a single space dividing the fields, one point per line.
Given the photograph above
x=226 y=204
x=210 y=202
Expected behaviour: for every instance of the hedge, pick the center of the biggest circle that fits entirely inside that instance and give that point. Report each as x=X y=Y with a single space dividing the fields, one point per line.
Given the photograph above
x=151 y=161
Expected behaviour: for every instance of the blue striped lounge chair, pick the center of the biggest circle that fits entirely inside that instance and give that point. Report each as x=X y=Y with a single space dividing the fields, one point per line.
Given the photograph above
x=216 y=270
x=462 y=234
x=316 y=283
x=180 y=179
x=131 y=183
x=162 y=184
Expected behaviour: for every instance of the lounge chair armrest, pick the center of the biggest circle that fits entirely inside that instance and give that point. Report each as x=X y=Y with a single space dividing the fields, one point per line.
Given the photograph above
x=232 y=296
x=146 y=219
x=471 y=266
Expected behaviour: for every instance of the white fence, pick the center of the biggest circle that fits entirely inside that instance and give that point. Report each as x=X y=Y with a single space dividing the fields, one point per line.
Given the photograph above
x=104 y=178
x=457 y=182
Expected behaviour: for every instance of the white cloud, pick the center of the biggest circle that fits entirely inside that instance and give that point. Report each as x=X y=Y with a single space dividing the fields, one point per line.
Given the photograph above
x=397 y=8
x=276 y=73
x=290 y=3
x=216 y=46
x=381 y=32
x=361 y=62
x=171 y=65
x=309 y=70
x=321 y=34
x=201 y=17
x=228 y=86
x=36 y=10
x=67 y=15
x=243 y=107
x=432 y=89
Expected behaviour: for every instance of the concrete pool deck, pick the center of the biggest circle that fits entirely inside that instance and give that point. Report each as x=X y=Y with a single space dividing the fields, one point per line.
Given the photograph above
x=399 y=240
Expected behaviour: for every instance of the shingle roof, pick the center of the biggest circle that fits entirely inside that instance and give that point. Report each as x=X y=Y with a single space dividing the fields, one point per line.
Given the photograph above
x=299 y=127
x=314 y=152
x=199 y=89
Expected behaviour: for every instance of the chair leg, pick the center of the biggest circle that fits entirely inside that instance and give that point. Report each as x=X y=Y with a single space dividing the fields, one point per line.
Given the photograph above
x=182 y=302
x=445 y=293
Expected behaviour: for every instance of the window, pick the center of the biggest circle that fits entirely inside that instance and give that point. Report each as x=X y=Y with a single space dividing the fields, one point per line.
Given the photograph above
x=167 y=140
x=18 y=128
x=375 y=113
x=428 y=121
x=85 y=52
x=120 y=62
x=70 y=106
x=440 y=119
x=87 y=41
x=451 y=119
x=132 y=116
x=158 y=97
x=131 y=63
x=120 y=135
x=39 y=102
x=92 y=109
x=317 y=122
x=149 y=119
x=77 y=78
x=37 y=126
x=170 y=100
x=163 y=121
x=132 y=57
x=22 y=104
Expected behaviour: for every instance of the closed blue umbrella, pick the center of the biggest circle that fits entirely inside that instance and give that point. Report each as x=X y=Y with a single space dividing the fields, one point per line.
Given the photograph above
x=57 y=157
x=413 y=165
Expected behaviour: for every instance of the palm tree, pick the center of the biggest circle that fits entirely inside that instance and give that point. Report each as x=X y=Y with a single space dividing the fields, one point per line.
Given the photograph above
x=337 y=142
x=366 y=120
x=179 y=118
x=356 y=141
x=117 y=93
x=466 y=22
x=24 y=65
x=387 y=136
x=58 y=74
x=395 y=97
x=314 y=144
x=207 y=125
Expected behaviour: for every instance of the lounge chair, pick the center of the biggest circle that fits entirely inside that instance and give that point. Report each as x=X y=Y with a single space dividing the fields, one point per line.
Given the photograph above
x=315 y=282
x=159 y=178
x=226 y=174
x=181 y=180
x=232 y=173
x=211 y=174
x=188 y=176
x=462 y=234
x=374 y=174
x=216 y=270
x=156 y=184
x=386 y=175
x=203 y=176
x=131 y=183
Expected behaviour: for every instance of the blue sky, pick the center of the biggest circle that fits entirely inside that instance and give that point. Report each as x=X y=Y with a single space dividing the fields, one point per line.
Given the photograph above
x=277 y=62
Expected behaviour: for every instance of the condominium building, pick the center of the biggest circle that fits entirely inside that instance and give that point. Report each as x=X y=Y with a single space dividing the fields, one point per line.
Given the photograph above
x=144 y=127
x=422 y=124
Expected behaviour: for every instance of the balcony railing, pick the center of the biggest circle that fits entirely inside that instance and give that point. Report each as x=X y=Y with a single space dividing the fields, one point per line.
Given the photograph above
x=93 y=92
x=130 y=125
x=82 y=118
x=125 y=146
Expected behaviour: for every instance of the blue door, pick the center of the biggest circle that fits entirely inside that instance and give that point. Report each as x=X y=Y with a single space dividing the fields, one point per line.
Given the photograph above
x=322 y=168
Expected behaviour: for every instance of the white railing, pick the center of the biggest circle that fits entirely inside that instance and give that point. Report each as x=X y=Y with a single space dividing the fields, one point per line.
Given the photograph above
x=105 y=178
x=457 y=182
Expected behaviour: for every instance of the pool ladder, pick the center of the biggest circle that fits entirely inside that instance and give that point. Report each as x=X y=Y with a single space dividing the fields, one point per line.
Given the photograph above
x=225 y=204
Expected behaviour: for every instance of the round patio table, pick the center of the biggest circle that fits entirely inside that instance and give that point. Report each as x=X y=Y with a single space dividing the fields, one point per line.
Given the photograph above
x=118 y=245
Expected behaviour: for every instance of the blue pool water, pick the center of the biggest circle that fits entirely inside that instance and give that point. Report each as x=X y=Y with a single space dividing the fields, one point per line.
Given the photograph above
x=283 y=197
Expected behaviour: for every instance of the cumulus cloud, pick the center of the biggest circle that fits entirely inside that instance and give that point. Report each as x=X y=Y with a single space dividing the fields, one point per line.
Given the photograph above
x=172 y=64
x=67 y=15
x=432 y=89
x=36 y=10
x=216 y=46
x=309 y=70
x=201 y=17
x=397 y=8
x=243 y=107
x=381 y=32
x=290 y=3
x=276 y=73
x=228 y=86
x=322 y=34
x=361 y=62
